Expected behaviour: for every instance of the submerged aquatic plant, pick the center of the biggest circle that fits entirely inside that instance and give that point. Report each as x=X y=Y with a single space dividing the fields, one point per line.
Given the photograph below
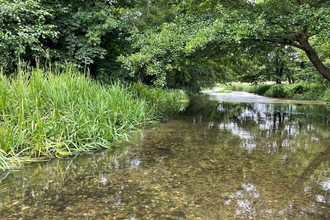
x=3 y=161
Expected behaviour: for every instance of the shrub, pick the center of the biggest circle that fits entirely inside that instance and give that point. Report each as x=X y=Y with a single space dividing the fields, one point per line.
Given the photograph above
x=305 y=91
x=166 y=102
x=326 y=95
x=258 y=89
x=277 y=91
x=239 y=87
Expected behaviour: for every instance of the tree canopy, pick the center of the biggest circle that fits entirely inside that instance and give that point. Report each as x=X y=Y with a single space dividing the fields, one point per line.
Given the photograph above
x=23 y=30
x=206 y=40
x=176 y=44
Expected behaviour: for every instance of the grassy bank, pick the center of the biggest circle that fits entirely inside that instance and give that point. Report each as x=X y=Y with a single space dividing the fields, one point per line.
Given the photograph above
x=299 y=91
x=48 y=113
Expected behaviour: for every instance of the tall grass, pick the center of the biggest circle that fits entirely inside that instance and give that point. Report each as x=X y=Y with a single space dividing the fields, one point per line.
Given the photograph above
x=53 y=112
x=167 y=102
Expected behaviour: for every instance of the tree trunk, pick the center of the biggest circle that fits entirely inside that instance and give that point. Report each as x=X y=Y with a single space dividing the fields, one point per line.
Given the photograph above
x=310 y=52
x=279 y=74
x=314 y=58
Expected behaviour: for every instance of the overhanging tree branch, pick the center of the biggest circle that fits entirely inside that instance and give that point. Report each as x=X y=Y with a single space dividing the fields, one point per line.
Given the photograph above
x=301 y=2
x=304 y=45
x=283 y=41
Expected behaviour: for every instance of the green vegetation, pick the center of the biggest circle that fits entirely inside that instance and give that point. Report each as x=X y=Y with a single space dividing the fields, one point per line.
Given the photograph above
x=224 y=91
x=166 y=103
x=193 y=44
x=178 y=44
x=299 y=91
x=59 y=112
x=125 y=45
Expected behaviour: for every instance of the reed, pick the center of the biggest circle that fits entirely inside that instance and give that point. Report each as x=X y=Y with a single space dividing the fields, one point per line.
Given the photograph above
x=60 y=112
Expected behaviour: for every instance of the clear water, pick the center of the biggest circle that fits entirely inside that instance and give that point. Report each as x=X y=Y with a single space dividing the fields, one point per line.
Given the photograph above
x=219 y=160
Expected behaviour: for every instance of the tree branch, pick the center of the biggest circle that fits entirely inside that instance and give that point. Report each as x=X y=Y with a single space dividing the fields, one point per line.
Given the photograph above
x=301 y=2
x=320 y=2
x=283 y=41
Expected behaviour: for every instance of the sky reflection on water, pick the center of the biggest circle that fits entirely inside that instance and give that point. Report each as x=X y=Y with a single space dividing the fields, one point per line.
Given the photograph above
x=219 y=160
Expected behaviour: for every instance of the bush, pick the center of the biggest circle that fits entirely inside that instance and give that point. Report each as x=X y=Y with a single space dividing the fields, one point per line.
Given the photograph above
x=326 y=95
x=301 y=90
x=276 y=91
x=259 y=89
x=239 y=87
x=167 y=102
x=305 y=91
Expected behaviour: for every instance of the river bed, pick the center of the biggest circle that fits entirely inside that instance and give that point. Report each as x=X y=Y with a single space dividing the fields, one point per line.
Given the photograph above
x=221 y=159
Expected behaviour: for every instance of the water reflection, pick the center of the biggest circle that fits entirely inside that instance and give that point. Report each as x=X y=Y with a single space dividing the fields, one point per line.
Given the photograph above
x=135 y=163
x=219 y=160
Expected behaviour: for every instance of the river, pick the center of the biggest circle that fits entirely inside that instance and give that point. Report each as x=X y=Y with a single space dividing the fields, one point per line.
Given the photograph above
x=236 y=156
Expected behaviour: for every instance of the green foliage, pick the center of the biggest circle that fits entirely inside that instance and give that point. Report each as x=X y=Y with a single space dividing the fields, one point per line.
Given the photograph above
x=290 y=23
x=23 y=29
x=171 y=55
x=167 y=102
x=305 y=91
x=4 y=161
x=45 y=113
x=224 y=91
x=252 y=88
x=277 y=91
x=91 y=35
x=82 y=25
x=326 y=96
x=260 y=89
x=307 y=72
x=239 y=86
x=221 y=42
x=300 y=91
x=177 y=44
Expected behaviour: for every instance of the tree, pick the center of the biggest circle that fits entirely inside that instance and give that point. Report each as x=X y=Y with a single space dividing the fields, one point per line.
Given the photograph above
x=291 y=23
x=215 y=31
x=162 y=54
x=23 y=28
x=281 y=62
x=89 y=34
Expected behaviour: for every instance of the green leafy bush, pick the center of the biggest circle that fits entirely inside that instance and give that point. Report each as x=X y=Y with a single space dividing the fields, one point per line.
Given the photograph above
x=239 y=87
x=166 y=101
x=300 y=91
x=277 y=91
x=259 y=89
x=305 y=91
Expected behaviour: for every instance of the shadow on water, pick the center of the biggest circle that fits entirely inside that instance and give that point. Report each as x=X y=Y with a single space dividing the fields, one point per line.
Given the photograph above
x=218 y=160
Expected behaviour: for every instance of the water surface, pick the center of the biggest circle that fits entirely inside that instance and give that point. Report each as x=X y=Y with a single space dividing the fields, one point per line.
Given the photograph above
x=219 y=160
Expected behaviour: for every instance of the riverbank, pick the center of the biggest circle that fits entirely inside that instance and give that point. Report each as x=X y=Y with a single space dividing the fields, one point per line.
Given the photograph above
x=297 y=91
x=57 y=113
x=253 y=160
x=220 y=94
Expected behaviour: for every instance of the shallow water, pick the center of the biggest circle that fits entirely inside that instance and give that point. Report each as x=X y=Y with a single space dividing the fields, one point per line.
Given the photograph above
x=219 y=160
x=245 y=97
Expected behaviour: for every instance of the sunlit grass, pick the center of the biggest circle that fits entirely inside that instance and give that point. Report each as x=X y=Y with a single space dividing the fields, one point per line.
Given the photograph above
x=53 y=112
x=219 y=88
x=223 y=91
x=166 y=101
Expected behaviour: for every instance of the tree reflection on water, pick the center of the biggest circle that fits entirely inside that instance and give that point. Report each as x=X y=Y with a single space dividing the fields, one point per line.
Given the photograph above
x=219 y=160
